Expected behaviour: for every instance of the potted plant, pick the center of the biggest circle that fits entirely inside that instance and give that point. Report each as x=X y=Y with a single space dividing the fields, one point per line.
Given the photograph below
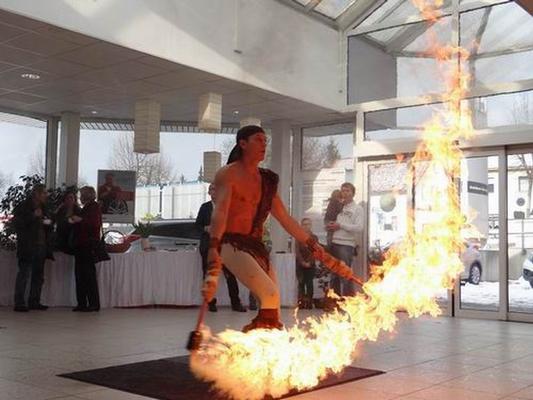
x=144 y=230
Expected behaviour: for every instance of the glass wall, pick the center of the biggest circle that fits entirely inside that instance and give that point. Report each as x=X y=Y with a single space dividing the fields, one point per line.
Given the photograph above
x=327 y=162
x=26 y=140
x=399 y=123
x=500 y=36
x=520 y=231
x=170 y=184
x=397 y=61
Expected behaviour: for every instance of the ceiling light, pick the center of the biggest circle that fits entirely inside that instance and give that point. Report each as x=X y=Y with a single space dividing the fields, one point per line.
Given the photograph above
x=31 y=76
x=93 y=112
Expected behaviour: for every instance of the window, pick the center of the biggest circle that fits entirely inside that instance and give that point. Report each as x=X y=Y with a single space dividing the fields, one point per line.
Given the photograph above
x=395 y=62
x=500 y=41
x=26 y=140
x=523 y=184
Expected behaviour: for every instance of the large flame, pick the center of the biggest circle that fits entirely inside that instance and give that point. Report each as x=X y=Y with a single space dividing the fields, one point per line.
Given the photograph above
x=261 y=362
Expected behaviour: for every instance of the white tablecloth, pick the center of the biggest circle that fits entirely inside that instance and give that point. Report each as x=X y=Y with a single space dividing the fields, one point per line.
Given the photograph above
x=139 y=279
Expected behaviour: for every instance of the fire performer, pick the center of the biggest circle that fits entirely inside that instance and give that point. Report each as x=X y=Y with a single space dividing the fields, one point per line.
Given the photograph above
x=246 y=195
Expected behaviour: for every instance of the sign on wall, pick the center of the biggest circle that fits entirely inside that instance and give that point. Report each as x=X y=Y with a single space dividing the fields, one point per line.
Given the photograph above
x=116 y=195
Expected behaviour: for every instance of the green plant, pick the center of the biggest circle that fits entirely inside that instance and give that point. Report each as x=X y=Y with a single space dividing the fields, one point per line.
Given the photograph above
x=143 y=229
x=19 y=193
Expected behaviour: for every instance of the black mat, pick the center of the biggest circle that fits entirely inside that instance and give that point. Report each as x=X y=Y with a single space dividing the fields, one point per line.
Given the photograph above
x=170 y=379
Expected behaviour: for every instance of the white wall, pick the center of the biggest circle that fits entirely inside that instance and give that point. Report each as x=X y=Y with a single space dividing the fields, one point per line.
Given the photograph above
x=282 y=50
x=372 y=73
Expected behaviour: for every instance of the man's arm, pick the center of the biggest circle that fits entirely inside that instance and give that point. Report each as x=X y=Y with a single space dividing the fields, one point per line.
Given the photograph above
x=356 y=223
x=220 y=209
x=201 y=217
x=218 y=227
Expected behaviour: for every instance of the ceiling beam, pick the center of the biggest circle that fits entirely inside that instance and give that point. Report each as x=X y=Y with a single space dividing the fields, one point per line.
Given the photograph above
x=526 y=5
x=316 y=16
x=358 y=12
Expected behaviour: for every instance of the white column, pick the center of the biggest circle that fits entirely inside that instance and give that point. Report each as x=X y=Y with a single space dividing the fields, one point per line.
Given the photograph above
x=281 y=164
x=69 y=148
x=51 y=152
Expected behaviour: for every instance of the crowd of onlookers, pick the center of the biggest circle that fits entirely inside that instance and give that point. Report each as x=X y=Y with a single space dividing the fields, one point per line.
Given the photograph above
x=77 y=230
x=343 y=222
x=72 y=229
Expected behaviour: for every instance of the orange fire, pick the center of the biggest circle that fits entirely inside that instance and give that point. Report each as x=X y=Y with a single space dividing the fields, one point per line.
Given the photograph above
x=260 y=362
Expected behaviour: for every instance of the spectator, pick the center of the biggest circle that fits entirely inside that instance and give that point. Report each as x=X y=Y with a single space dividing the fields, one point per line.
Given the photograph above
x=333 y=209
x=305 y=269
x=345 y=229
x=203 y=221
x=32 y=227
x=87 y=234
x=64 y=228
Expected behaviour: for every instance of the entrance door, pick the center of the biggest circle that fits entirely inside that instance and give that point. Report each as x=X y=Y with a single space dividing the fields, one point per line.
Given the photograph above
x=478 y=292
x=520 y=235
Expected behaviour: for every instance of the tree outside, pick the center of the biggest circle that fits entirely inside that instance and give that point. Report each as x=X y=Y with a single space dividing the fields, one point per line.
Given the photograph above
x=151 y=169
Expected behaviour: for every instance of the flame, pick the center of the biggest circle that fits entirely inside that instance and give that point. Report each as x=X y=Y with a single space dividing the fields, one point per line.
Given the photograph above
x=274 y=362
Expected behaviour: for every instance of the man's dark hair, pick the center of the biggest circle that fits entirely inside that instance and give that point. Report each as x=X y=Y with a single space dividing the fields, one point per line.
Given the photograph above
x=305 y=219
x=349 y=185
x=243 y=134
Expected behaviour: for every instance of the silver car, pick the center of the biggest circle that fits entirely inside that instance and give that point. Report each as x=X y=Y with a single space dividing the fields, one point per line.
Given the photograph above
x=171 y=235
x=471 y=258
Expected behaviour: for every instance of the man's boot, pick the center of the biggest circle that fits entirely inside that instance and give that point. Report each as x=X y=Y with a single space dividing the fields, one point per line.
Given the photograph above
x=267 y=318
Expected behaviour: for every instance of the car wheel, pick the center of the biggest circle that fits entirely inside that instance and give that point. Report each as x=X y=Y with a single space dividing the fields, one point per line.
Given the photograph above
x=475 y=274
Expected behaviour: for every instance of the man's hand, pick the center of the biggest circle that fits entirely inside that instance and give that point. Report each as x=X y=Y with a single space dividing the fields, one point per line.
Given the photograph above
x=38 y=212
x=333 y=226
x=214 y=266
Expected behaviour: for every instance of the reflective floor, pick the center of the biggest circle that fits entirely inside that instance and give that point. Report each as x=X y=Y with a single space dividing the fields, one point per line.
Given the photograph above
x=443 y=358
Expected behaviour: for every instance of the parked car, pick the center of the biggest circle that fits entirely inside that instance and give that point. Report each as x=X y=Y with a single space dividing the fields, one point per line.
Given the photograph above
x=471 y=258
x=171 y=235
x=527 y=269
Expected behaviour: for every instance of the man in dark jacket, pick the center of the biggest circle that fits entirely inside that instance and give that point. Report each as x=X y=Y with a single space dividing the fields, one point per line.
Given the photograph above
x=203 y=221
x=32 y=227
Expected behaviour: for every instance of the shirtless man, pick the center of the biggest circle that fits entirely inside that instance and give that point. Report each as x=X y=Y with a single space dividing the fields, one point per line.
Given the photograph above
x=246 y=194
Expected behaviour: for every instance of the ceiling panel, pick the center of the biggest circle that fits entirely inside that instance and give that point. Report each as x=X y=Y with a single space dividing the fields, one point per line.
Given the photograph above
x=8 y=32
x=59 y=67
x=103 y=80
x=182 y=78
x=21 y=97
x=41 y=44
x=19 y=21
x=61 y=88
x=15 y=56
x=122 y=72
x=100 y=55
x=68 y=36
x=13 y=79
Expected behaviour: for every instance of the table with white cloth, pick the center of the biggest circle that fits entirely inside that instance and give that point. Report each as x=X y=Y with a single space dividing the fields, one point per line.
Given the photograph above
x=140 y=279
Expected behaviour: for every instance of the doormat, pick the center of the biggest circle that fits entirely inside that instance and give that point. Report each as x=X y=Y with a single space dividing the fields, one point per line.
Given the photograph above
x=171 y=379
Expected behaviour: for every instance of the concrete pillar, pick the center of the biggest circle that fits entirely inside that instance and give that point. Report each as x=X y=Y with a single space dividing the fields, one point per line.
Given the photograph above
x=51 y=152
x=69 y=148
x=282 y=165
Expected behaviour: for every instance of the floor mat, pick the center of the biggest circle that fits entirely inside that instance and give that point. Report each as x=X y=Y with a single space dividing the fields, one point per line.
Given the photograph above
x=171 y=379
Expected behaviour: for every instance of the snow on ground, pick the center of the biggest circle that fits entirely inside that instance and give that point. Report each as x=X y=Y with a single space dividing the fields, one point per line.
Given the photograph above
x=485 y=296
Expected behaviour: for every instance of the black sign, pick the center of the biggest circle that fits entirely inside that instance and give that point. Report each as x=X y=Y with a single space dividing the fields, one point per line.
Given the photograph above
x=477 y=188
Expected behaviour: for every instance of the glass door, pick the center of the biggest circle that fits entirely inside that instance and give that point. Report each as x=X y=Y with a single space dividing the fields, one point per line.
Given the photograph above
x=478 y=289
x=520 y=235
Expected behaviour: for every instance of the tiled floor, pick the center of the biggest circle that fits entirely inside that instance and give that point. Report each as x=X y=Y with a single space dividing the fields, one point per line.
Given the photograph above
x=426 y=359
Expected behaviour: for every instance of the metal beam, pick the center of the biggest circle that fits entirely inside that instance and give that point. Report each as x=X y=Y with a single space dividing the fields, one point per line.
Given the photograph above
x=358 y=12
x=316 y=16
